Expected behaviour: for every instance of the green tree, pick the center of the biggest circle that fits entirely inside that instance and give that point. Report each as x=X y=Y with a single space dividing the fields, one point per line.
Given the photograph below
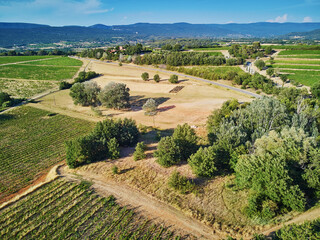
x=113 y=148
x=315 y=90
x=268 y=50
x=85 y=94
x=115 y=95
x=139 y=152
x=203 y=162
x=150 y=107
x=186 y=139
x=180 y=183
x=270 y=72
x=260 y=64
x=168 y=152
x=173 y=78
x=284 y=78
x=156 y=78
x=145 y=76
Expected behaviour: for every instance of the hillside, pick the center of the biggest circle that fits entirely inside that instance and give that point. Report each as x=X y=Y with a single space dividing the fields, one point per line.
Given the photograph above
x=312 y=35
x=23 y=33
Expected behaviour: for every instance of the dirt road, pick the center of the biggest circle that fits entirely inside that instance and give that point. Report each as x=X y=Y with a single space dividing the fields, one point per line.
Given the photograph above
x=155 y=209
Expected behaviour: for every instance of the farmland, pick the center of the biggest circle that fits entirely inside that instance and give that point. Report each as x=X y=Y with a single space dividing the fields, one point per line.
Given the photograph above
x=32 y=140
x=296 y=66
x=61 y=61
x=68 y=210
x=307 y=78
x=21 y=71
x=299 y=52
x=14 y=59
x=25 y=88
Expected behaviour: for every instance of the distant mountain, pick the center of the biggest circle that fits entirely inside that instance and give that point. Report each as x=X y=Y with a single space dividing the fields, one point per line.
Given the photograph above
x=21 y=25
x=25 y=33
x=311 y=35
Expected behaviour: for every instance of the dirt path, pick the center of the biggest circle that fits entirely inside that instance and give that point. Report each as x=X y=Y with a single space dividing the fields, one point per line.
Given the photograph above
x=143 y=202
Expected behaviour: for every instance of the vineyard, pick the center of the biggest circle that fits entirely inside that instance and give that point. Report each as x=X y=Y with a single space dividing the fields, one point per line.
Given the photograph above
x=14 y=59
x=61 y=61
x=32 y=140
x=67 y=210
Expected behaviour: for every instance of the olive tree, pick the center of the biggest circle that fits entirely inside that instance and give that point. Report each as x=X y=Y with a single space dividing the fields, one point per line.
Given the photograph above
x=115 y=95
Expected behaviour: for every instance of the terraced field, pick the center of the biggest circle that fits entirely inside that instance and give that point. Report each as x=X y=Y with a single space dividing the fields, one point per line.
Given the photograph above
x=67 y=210
x=301 y=65
x=32 y=140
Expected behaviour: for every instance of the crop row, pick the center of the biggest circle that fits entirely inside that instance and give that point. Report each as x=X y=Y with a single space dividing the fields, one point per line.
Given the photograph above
x=69 y=210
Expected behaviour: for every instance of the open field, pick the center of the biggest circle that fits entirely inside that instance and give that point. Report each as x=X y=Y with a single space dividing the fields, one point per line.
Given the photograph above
x=67 y=210
x=315 y=62
x=297 y=66
x=209 y=49
x=32 y=140
x=307 y=78
x=61 y=61
x=14 y=59
x=25 y=88
x=300 y=56
x=299 y=52
x=21 y=71
x=191 y=105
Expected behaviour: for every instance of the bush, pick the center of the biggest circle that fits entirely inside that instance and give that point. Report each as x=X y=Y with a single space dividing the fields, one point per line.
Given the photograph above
x=203 y=162
x=145 y=76
x=186 y=139
x=156 y=78
x=115 y=95
x=113 y=148
x=180 y=183
x=315 y=90
x=173 y=79
x=84 y=76
x=4 y=97
x=150 y=107
x=168 y=152
x=64 y=85
x=270 y=72
x=115 y=169
x=85 y=94
x=139 y=152
x=260 y=64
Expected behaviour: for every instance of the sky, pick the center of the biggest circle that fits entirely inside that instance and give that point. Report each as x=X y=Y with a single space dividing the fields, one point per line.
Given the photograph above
x=121 y=12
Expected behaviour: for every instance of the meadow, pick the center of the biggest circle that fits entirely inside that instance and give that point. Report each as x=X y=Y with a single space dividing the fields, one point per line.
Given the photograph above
x=25 y=88
x=14 y=59
x=20 y=71
x=69 y=210
x=32 y=140
x=307 y=78
x=61 y=61
x=299 y=52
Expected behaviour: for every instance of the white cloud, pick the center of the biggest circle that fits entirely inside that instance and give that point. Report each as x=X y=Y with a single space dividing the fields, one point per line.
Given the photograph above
x=279 y=19
x=230 y=22
x=307 y=19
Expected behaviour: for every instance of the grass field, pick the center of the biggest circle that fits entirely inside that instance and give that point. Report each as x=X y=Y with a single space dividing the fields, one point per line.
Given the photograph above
x=62 y=61
x=295 y=66
x=307 y=78
x=214 y=53
x=301 y=56
x=218 y=70
x=25 y=88
x=21 y=71
x=316 y=62
x=66 y=210
x=14 y=59
x=299 y=52
x=31 y=140
x=210 y=49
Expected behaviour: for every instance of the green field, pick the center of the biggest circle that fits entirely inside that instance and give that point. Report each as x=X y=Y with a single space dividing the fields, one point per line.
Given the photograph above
x=302 y=56
x=316 y=62
x=14 y=59
x=67 y=210
x=25 y=88
x=62 y=61
x=220 y=70
x=20 y=71
x=295 y=66
x=210 y=49
x=32 y=140
x=299 y=52
x=307 y=78
x=214 y=53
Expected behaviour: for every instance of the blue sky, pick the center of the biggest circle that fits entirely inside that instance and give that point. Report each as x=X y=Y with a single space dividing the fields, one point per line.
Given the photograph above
x=113 y=12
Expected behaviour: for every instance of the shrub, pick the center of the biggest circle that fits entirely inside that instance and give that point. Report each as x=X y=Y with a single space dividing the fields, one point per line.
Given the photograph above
x=115 y=169
x=113 y=148
x=203 y=162
x=173 y=79
x=156 y=78
x=120 y=64
x=64 y=85
x=180 y=183
x=115 y=95
x=139 y=152
x=4 y=97
x=315 y=90
x=145 y=76
x=84 y=76
x=270 y=72
x=168 y=152
x=260 y=64
x=150 y=107
x=85 y=94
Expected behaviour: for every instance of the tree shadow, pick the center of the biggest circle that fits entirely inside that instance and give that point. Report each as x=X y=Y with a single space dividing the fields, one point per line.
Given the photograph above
x=122 y=171
x=137 y=102
x=166 y=108
x=6 y=117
